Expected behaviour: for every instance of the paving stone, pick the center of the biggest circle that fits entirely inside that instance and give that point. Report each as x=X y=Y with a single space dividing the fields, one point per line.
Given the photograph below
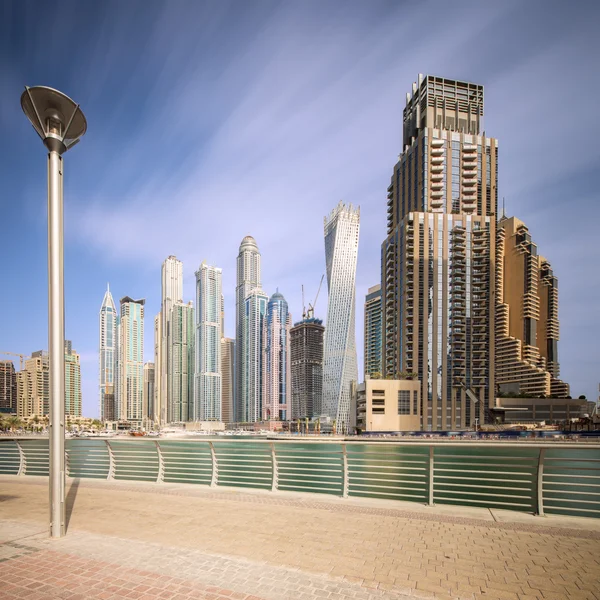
x=248 y=546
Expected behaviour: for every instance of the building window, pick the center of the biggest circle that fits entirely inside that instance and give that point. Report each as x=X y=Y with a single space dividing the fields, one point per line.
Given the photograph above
x=404 y=402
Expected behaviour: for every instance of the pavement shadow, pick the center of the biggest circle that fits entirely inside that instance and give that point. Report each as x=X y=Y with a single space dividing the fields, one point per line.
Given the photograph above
x=70 y=501
x=6 y=498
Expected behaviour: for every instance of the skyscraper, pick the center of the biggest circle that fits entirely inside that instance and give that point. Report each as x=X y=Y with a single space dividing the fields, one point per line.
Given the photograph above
x=72 y=381
x=171 y=293
x=255 y=308
x=227 y=379
x=209 y=314
x=306 y=366
x=438 y=258
x=248 y=278
x=339 y=357
x=181 y=363
x=373 y=332
x=8 y=386
x=107 y=356
x=276 y=375
x=526 y=314
x=159 y=406
x=131 y=360
x=148 y=410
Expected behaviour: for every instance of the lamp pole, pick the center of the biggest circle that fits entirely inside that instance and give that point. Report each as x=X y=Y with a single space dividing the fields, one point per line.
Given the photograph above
x=60 y=124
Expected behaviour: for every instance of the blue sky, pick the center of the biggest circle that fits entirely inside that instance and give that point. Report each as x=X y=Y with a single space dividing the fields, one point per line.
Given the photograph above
x=208 y=121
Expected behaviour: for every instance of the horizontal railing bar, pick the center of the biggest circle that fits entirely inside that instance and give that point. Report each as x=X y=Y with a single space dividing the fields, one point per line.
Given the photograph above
x=575 y=509
x=572 y=500
x=385 y=487
x=464 y=478
x=368 y=476
x=571 y=492
x=555 y=458
x=314 y=487
x=574 y=468
x=310 y=470
x=242 y=460
x=436 y=497
x=437 y=469
x=386 y=457
x=470 y=493
x=484 y=457
x=288 y=477
x=485 y=487
x=398 y=468
x=233 y=469
x=532 y=464
x=237 y=476
x=570 y=475
x=420 y=497
x=572 y=483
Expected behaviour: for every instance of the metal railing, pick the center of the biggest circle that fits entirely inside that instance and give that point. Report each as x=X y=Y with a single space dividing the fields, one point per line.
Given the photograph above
x=540 y=478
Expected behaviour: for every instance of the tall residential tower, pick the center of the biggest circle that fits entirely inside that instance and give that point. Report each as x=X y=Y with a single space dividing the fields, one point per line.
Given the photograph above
x=248 y=278
x=438 y=258
x=255 y=309
x=171 y=294
x=107 y=356
x=276 y=360
x=373 y=332
x=131 y=360
x=209 y=314
x=340 y=368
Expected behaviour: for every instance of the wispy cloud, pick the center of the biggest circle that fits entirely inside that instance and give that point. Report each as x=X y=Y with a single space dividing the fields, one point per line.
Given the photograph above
x=211 y=121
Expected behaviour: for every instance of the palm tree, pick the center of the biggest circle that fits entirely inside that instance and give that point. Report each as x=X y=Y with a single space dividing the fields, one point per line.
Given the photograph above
x=14 y=422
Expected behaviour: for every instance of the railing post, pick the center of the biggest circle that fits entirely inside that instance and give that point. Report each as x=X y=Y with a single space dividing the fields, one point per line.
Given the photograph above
x=111 y=461
x=160 y=478
x=345 y=484
x=540 y=482
x=275 y=483
x=67 y=468
x=430 y=471
x=22 y=460
x=214 y=480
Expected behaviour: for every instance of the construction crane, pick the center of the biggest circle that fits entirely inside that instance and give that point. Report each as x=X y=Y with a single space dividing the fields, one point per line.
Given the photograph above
x=22 y=357
x=303 y=305
x=311 y=307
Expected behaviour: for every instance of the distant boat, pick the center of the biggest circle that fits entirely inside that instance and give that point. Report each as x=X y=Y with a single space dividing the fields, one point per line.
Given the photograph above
x=137 y=433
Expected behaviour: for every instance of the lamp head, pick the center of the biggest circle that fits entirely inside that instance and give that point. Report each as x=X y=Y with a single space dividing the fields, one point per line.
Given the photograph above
x=56 y=118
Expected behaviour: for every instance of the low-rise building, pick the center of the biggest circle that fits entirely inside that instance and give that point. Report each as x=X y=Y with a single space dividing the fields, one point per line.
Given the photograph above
x=536 y=410
x=386 y=405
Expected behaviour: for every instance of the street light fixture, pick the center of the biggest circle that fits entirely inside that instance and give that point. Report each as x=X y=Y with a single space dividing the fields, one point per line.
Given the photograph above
x=61 y=124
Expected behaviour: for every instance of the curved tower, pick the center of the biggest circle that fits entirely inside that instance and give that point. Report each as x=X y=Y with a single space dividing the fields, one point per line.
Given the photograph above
x=276 y=360
x=339 y=355
x=248 y=278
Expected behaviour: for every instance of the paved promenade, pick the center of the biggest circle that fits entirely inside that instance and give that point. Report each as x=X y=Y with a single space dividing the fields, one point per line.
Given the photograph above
x=134 y=540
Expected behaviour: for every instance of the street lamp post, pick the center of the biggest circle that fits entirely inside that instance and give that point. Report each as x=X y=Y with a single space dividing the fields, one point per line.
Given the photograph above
x=61 y=124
